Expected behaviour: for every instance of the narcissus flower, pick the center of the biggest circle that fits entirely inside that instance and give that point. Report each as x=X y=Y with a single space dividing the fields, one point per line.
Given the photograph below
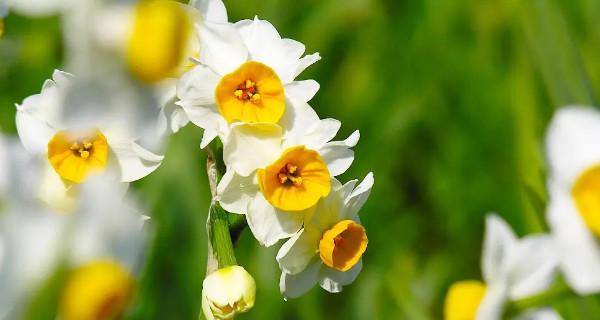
x=245 y=73
x=329 y=249
x=100 y=241
x=227 y=292
x=275 y=178
x=573 y=213
x=512 y=269
x=156 y=38
x=64 y=124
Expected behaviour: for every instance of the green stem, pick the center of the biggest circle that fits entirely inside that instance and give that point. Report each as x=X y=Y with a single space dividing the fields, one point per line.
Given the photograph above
x=220 y=245
x=557 y=292
x=220 y=237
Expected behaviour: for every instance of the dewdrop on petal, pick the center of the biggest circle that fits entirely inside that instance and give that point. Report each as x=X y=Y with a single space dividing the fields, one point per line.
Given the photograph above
x=227 y=292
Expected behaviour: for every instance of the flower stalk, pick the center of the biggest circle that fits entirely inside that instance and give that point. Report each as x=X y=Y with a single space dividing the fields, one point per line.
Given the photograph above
x=220 y=245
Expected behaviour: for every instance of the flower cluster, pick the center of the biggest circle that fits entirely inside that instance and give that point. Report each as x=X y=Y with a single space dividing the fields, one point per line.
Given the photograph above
x=138 y=72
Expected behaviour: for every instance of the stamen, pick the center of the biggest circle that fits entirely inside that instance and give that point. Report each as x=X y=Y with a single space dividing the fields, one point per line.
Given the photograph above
x=84 y=154
x=247 y=91
x=289 y=175
x=75 y=146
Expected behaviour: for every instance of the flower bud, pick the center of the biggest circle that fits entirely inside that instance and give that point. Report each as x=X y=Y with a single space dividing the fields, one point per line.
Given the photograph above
x=226 y=292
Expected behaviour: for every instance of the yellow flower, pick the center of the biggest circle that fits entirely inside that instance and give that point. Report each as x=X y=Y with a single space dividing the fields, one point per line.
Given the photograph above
x=159 y=40
x=73 y=155
x=463 y=300
x=98 y=290
x=295 y=181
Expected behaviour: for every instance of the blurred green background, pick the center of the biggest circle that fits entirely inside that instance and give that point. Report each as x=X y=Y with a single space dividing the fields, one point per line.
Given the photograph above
x=451 y=98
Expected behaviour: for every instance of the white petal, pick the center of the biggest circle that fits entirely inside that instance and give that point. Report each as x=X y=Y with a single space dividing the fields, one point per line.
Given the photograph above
x=134 y=161
x=334 y=281
x=222 y=48
x=578 y=249
x=338 y=155
x=540 y=314
x=302 y=91
x=252 y=146
x=34 y=133
x=208 y=118
x=172 y=117
x=298 y=116
x=235 y=192
x=533 y=266
x=293 y=286
x=498 y=244
x=211 y=10
x=354 y=202
x=197 y=86
x=305 y=62
x=268 y=224
x=492 y=305
x=572 y=142
x=298 y=251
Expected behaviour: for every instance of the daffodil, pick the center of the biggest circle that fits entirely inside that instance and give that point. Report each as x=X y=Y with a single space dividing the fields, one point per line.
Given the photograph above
x=245 y=73
x=100 y=242
x=227 y=292
x=574 y=185
x=81 y=131
x=512 y=269
x=275 y=178
x=329 y=249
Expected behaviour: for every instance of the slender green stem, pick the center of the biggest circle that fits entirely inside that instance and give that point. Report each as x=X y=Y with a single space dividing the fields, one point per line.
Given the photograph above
x=559 y=291
x=220 y=246
x=220 y=237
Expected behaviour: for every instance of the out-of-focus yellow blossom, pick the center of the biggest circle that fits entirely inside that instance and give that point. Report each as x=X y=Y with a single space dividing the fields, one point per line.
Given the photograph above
x=512 y=269
x=98 y=290
x=463 y=300
x=159 y=39
x=227 y=292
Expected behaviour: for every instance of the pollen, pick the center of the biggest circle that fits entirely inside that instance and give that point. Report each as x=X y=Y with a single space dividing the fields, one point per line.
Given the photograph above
x=247 y=91
x=252 y=93
x=74 y=155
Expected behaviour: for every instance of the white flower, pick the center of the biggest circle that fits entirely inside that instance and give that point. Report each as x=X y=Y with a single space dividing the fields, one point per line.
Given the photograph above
x=37 y=7
x=275 y=177
x=156 y=40
x=101 y=240
x=573 y=210
x=245 y=73
x=85 y=128
x=512 y=269
x=329 y=249
x=227 y=292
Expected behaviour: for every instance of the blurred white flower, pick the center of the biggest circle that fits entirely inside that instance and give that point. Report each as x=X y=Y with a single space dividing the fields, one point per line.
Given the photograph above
x=329 y=249
x=245 y=73
x=84 y=128
x=573 y=212
x=227 y=292
x=275 y=177
x=36 y=7
x=512 y=269
x=100 y=241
